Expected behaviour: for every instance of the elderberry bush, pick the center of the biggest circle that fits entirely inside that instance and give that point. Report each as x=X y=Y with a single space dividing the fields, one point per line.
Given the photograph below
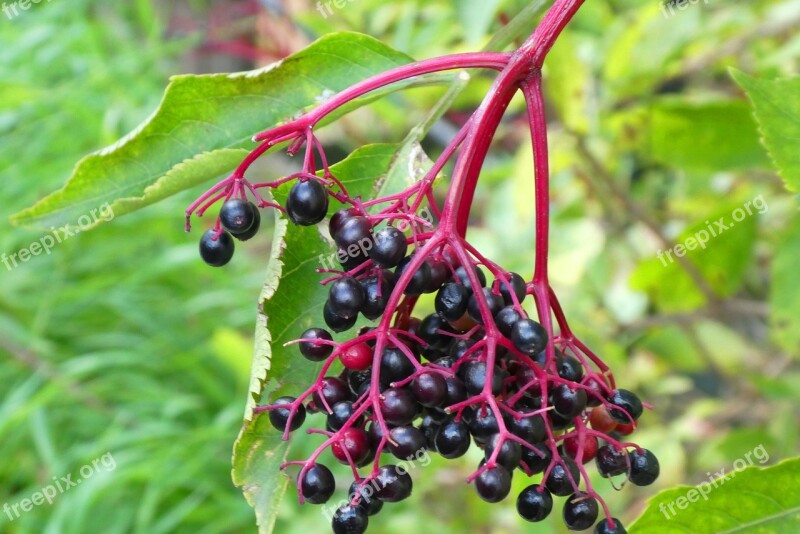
x=481 y=370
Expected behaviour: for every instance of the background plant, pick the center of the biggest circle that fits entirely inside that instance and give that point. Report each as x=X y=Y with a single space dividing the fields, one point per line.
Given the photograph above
x=97 y=362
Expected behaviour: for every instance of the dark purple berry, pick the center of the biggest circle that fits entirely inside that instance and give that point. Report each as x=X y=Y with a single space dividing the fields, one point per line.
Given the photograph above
x=313 y=351
x=509 y=455
x=529 y=337
x=622 y=399
x=307 y=203
x=558 y=481
x=534 y=503
x=615 y=528
x=580 y=511
x=279 y=417
x=494 y=302
x=569 y=402
x=398 y=406
x=350 y=520
x=216 y=252
x=493 y=485
x=429 y=388
x=346 y=297
x=517 y=287
x=451 y=301
x=420 y=279
x=237 y=215
x=610 y=461
x=317 y=485
x=644 y=467
x=334 y=321
x=389 y=248
x=394 y=484
x=408 y=442
x=452 y=440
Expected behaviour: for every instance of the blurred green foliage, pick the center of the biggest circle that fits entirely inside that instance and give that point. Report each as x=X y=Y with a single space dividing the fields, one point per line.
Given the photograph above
x=122 y=341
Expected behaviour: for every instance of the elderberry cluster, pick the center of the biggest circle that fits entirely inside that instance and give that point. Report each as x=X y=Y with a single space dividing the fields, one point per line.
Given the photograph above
x=537 y=412
x=306 y=205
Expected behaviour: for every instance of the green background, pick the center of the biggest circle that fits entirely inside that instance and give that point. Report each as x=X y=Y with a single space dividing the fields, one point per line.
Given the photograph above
x=121 y=341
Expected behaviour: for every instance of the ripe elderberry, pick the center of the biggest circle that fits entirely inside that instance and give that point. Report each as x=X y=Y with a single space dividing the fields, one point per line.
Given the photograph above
x=580 y=511
x=307 y=203
x=534 y=503
x=317 y=485
x=493 y=485
x=238 y=216
x=350 y=519
x=215 y=250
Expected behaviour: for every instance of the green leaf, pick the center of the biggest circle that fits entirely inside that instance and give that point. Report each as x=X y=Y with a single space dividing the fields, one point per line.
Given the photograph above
x=753 y=500
x=201 y=115
x=784 y=295
x=290 y=302
x=777 y=110
x=723 y=260
x=699 y=137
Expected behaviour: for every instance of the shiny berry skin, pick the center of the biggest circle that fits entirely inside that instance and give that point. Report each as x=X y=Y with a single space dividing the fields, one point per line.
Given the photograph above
x=568 y=402
x=430 y=425
x=389 y=248
x=408 y=442
x=644 y=467
x=600 y=420
x=456 y=392
x=254 y=228
x=474 y=376
x=419 y=281
x=461 y=275
x=334 y=321
x=451 y=301
x=338 y=219
x=505 y=320
x=558 y=481
x=346 y=296
x=453 y=439
x=333 y=390
x=494 y=302
x=493 y=485
x=534 y=503
x=580 y=511
x=216 y=252
x=317 y=485
x=572 y=445
x=440 y=274
x=398 y=406
x=350 y=519
x=483 y=425
x=430 y=389
x=279 y=417
x=354 y=231
x=604 y=528
x=517 y=286
x=307 y=203
x=395 y=366
x=341 y=412
x=537 y=463
x=358 y=381
x=510 y=452
x=531 y=429
x=394 y=484
x=237 y=215
x=366 y=499
x=622 y=399
x=357 y=357
x=429 y=332
x=312 y=351
x=377 y=290
x=569 y=368
x=611 y=462
x=354 y=442
x=529 y=337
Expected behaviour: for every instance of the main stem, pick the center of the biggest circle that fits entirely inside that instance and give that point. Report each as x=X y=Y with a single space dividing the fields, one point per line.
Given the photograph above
x=527 y=61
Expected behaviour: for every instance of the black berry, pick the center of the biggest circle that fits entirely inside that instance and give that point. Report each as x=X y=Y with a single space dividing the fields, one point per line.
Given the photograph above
x=237 y=215
x=493 y=485
x=216 y=252
x=279 y=417
x=394 y=484
x=389 y=248
x=350 y=520
x=534 y=503
x=307 y=203
x=529 y=337
x=644 y=467
x=622 y=399
x=452 y=440
x=317 y=485
x=313 y=351
x=580 y=511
